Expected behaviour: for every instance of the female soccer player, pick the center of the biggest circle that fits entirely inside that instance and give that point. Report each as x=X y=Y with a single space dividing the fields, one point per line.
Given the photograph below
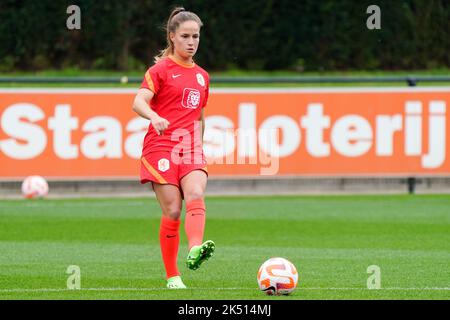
x=176 y=89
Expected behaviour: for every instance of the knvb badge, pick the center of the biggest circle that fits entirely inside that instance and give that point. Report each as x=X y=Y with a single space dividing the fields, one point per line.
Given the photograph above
x=191 y=98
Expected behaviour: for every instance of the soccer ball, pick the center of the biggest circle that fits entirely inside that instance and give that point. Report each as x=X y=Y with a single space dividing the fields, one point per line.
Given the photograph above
x=34 y=187
x=277 y=276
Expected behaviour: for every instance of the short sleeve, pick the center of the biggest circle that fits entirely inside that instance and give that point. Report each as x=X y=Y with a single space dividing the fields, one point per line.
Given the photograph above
x=206 y=91
x=152 y=79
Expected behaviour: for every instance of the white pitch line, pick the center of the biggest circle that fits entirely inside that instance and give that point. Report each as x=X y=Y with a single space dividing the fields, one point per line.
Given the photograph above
x=214 y=289
x=392 y=288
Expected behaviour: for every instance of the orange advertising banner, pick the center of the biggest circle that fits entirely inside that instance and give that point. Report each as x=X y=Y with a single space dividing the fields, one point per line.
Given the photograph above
x=93 y=133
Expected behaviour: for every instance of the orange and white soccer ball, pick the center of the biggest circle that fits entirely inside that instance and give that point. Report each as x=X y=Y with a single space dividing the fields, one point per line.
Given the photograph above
x=277 y=276
x=34 y=187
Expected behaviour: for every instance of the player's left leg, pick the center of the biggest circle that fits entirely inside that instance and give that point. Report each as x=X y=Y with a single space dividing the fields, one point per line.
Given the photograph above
x=193 y=185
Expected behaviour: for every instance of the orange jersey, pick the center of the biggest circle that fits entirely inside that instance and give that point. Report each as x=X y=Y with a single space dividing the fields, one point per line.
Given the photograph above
x=181 y=91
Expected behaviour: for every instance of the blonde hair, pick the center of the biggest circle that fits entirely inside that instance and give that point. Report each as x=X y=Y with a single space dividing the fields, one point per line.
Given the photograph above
x=177 y=17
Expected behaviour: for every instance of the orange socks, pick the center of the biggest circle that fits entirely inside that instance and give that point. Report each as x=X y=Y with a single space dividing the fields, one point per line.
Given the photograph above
x=169 y=239
x=195 y=222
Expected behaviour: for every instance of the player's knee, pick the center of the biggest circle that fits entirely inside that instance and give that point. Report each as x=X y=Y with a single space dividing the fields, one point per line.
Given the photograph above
x=194 y=194
x=173 y=213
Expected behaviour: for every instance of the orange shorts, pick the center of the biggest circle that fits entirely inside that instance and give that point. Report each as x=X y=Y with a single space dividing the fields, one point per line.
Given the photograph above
x=164 y=167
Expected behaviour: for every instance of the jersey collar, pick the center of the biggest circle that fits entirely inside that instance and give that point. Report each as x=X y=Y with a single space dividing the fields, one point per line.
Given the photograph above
x=181 y=63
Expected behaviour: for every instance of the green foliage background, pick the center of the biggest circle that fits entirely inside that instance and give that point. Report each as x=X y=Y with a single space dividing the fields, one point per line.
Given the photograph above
x=299 y=35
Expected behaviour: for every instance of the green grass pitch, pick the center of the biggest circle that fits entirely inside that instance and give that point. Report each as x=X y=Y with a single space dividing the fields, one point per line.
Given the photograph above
x=331 y=240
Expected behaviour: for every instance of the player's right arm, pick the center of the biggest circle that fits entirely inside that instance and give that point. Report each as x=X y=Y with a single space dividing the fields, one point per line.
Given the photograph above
x=141 y=106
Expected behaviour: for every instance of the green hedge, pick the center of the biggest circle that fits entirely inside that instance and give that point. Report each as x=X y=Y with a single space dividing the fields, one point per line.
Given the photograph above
x=250 y=34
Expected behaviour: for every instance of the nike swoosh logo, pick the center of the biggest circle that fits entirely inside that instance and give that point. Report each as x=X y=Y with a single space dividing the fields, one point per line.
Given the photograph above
x=197 y=214
x=169 y=236
x=176 y=76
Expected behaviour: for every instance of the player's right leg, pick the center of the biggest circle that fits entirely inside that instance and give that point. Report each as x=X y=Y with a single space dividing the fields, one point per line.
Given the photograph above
x=158 y=169
x=169 y=198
